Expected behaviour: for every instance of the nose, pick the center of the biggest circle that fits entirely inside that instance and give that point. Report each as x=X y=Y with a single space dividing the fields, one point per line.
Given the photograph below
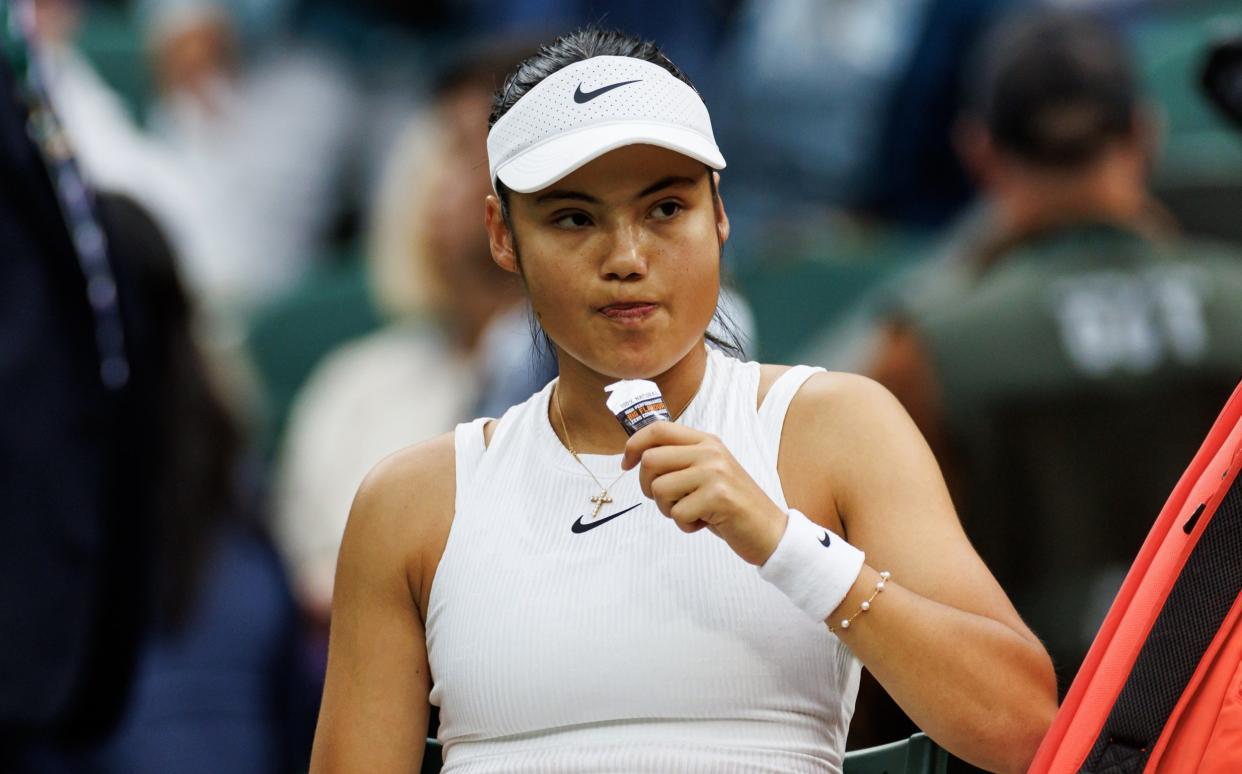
x=625 y=259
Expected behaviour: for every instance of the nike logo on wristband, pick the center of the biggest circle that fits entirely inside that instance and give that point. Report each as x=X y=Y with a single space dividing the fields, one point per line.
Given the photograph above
x=578 y=527
x=827 y=541
x=583 y=97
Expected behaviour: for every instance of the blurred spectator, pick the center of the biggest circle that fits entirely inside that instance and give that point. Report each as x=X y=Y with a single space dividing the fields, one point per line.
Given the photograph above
x=845 y=107
x=690 y=31
x=265 y=137
x=197 y=44
x=1066 y=355
x=460 y=344
x=810 y=82
x=115 y=153
x=918 y=177
x=224 y=171
x=73 y=382
x=217 y=687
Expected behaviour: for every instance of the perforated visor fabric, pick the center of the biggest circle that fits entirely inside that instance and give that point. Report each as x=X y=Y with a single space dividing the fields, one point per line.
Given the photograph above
x=591 y=107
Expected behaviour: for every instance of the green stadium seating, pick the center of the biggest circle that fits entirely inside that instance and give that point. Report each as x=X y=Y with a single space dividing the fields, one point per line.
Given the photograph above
x=287 y=339
x=916 y=755
x=794 y=298
x=110 y=39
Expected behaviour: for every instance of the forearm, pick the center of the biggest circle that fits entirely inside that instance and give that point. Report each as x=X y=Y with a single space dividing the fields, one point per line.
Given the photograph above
x=975 y=685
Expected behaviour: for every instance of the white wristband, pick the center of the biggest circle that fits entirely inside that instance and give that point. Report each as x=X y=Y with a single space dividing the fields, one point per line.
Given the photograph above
x=812 y=566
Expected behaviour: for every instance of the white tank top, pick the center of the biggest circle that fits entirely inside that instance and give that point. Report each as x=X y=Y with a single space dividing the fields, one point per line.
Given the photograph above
x=630 y=646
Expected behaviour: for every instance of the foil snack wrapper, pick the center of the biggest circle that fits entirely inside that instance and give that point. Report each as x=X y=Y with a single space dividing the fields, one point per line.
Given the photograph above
x=636 y=403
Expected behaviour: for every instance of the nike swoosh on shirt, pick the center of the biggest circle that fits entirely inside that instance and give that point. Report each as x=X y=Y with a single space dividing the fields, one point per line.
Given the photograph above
x=582 y=97
x=578 y=527
x=827 y=541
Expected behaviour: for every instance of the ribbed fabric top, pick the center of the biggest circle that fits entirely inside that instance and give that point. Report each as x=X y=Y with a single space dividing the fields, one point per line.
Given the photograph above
x=630 y=646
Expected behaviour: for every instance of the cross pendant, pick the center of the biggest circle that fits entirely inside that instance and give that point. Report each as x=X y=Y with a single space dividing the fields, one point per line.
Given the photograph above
x=600 y=501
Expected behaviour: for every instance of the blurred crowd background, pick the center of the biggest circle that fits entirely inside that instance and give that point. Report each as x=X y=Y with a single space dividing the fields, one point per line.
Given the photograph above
x=1023 y=218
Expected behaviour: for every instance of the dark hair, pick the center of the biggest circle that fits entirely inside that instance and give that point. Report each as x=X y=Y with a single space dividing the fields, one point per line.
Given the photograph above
x=196 y=451
x=1054 y=87
x=577 y=46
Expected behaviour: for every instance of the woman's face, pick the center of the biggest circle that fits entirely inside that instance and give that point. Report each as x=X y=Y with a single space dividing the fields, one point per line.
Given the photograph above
x=621 y=258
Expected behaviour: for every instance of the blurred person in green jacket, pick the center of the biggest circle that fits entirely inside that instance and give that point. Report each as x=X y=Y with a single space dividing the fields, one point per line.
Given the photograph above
x=1069 y=349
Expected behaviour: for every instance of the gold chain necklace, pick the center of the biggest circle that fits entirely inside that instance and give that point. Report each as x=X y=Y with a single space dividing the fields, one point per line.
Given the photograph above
x=601 y=499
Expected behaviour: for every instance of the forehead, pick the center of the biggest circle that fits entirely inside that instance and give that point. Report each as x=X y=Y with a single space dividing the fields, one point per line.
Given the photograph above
x=627 y=170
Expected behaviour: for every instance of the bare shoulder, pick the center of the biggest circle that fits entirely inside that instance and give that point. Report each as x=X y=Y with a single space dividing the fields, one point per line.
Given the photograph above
x=403 y=510
x=841 y=400
x=850 y=420
x=829 y=390
x=374 y=710
x=842 y=429
x=831 y=400
x=406 y=482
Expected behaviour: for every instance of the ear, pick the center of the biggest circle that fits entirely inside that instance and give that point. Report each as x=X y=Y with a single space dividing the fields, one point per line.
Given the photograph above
x=499 y=237
x=722 y=217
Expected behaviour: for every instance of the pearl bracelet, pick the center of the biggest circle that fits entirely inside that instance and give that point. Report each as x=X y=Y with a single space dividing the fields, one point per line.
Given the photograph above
x=866 y=604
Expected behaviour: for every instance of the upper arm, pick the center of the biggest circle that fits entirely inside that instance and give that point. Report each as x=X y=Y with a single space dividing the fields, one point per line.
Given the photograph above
x=851 y=452
x=374 y=712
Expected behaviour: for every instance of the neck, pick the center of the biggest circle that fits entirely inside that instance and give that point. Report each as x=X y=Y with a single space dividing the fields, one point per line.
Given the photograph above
x=591 y=426
x=1109 y=192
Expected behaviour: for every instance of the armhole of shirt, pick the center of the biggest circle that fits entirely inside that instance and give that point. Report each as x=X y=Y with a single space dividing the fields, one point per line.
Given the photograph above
x=468 y=451
x=776 y=404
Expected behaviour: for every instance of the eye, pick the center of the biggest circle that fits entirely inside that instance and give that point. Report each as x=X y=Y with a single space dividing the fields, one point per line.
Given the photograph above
x=572 y=220
x=666 y=210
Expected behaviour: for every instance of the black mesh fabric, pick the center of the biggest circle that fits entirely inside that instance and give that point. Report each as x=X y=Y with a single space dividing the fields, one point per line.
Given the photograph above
x=1201 y=598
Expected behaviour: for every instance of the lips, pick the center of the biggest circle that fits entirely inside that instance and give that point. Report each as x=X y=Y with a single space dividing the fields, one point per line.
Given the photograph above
x=628 y=310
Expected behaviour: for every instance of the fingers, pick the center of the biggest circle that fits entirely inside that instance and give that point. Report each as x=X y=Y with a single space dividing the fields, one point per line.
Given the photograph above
x=668 y=489
x=691 y=513
x=661 y=460
x=658 y=434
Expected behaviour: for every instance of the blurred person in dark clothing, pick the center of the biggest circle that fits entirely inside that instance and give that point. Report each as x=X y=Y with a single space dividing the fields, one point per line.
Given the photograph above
x=217 y=685
x=73 y=380
x=142 y=621
x=919 y=179
x=1067 y=354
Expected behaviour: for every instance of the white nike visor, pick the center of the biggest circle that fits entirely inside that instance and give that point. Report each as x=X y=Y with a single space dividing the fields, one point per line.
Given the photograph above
x=589 y=108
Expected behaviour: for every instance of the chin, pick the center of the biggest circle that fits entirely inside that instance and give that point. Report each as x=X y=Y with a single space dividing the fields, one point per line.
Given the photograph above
x=639 y=362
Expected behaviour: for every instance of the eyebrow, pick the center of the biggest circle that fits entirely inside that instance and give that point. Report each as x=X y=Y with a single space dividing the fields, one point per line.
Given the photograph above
x=666 y=182
x=563 y=194
x=659 y=185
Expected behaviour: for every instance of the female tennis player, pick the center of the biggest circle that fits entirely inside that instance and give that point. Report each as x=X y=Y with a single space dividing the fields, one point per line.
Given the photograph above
x=547 y=581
